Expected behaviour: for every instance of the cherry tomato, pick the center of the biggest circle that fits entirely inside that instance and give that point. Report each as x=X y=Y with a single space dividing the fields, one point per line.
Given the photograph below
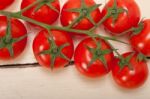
x=83 y=57
x=125 y=20
x=141 y=41
x=44 y=14
x=132 y=77
x=18 y=32
x=41 y=43
x=68 y=17
x=5 y=3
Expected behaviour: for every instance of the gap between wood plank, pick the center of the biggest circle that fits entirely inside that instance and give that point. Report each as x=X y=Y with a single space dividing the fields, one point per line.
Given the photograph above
x=27 y=65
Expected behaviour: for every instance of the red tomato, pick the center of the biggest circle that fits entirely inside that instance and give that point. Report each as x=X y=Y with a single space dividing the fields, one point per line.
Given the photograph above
x=41 y=44
x=141 y=41
x=67 y=17
x=45 y=14
x=18 y=30
x=130 y=78
x=5 y=3
x=125 y=20
x=83 y=58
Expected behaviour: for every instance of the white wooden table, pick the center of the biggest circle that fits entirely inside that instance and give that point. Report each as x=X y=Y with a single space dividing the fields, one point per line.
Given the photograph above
x=38 y=83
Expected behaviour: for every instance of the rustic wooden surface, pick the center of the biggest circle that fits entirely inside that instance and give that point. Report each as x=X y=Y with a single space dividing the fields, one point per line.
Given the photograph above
x=38 y=83
x=33 y=82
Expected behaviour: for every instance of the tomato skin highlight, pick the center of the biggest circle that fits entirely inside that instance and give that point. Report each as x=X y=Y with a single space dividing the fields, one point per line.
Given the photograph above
x=5 y=3
x=141 y=41
x=45 y=14
x=83 y=56
x=128 y=78
x=68 y=17
x=41 y=44
x=18 y=30
x=125 y=20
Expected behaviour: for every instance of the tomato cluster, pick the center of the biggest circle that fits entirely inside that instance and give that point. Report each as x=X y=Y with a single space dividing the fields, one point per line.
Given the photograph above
x=94 y=56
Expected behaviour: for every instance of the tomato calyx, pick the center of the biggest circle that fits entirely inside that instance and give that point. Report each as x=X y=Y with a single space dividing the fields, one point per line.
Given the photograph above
x=138 y=29
x=141 y=57
x=98 y=54
x=135 y=30
x=47 y=3
x=84 y=12
x=7 y=41
x=123 y=62
x=55 y=51
x=113 y=12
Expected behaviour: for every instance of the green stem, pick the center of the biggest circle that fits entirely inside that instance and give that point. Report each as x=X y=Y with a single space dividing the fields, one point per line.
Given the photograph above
x=117 y=53
x=100 y=22
x=114 y=39
x=48 y=27
x=51 y=36
x=125 y=32
x=6 y=13
x=75 y=21
x=71 y=30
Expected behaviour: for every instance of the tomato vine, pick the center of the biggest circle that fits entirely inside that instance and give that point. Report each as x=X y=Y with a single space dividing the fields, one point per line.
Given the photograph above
x=84 y=11
x=98 y=45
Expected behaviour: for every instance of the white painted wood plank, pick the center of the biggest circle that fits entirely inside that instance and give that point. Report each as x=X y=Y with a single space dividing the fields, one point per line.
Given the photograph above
x=38 y=83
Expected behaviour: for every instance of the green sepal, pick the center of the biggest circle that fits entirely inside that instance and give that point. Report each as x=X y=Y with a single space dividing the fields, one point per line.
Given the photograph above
x=125 y=62
x=53 y=58
x=141 y=57
x=2 y=45
x=98 y=54
x=38 y=7
x=52 y=7
x=10 y=49
x=55 y=51
x=48 y=3
x=84 y=12
x=137 y=30
x=19 y=39
x=114 y=11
